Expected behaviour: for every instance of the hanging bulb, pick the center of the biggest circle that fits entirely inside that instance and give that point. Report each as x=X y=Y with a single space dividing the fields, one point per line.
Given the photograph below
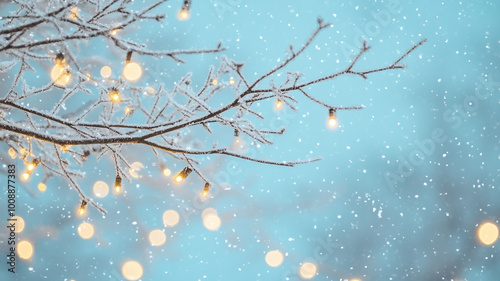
x=32 y=165
x=231 y=81
x=118 y=184
x=114 y=95
x=278 y=104
x=128 y=110
x=83 y=206
x=60 y=72
x=332 y=118
x=206 y=188
x=132 y=70
x=26 y=176
x=236 y=135
x=180 y=176
x=214 y=81
x=184 y=12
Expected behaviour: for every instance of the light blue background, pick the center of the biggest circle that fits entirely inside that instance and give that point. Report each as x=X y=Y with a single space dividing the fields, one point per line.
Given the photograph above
x=424 y=228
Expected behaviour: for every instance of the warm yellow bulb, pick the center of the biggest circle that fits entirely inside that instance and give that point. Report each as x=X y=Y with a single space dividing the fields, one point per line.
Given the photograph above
x=132 y=270
x=115 y=96
x=132 y=71
x=60 y=74
x=24 y=250
x=204 y=193
x=42 y=187
x=81 y=211
x=231 y=81
x=274 y=258
x=178 y=179
x=183 y=14
x=308 y=270
x=31 y=166
x=488 y=233
x=128 y=110
x=86 y=230
x=12 y=153
x=73 y=14
x=105 y=71
x=332 y=122
x=170 y=218
x=65 y=147
x=19 y=224
x=25 y=176
x=167 y=172
x=278 y=104
x=214 y=82
x=157 y=237
x=212 y=222
x=118 y=188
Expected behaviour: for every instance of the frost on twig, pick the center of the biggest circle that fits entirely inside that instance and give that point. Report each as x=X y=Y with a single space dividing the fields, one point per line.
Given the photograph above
x=65 y=135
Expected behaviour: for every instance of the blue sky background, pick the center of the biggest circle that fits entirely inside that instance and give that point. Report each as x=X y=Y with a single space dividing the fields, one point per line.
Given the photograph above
x=423 y=228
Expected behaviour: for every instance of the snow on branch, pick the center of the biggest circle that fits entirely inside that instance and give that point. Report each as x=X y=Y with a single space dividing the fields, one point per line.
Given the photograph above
x=59 y=137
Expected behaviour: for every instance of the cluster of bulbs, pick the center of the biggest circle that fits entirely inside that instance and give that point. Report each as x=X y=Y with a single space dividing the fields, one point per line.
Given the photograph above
x=29 y=169
x=184 y=173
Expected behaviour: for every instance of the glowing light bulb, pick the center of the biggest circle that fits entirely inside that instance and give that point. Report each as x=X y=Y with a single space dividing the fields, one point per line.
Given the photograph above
x=206 y=188
x=274 y=258
x=60 y=74
x=212 y=222
x=332 y=117
x=86 y=230
x=214 y=81
x=278 y=104
x=231 y=81
x=25 y=176
x=74 y=13
x=157 y=237
x=105 y=71
x=24 y=250
x=65 y=147
x=42 y=187
x=118 y=184
x=115 y=96
x=128 y=110
x=12 y=153
x=179 y=177
x=170 y=218
x=132 y=71
x=19 y=224
x=308 y=270
x=167 y=172
x=83 y=207
x=183 y=14
x=101 y=189
x=488 y=233
x=132 y=270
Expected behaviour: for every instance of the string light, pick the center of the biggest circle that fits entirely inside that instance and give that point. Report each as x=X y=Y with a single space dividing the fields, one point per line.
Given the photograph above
x=332 y=117
x=128 y=110
x=114 y=95
x=308 y=270
x=105 y=71
x=214 y=81
x=29 y=169
x=488 y=233
x=74 y=13
x=231 y=81
x=118 y=184
x=83 y=207
x=206 y=188
x=180 y=176
x=60 y=72
x=42 y=187
x=65 y=147
x=278 y=104
x=184 y=12
x=132 y=70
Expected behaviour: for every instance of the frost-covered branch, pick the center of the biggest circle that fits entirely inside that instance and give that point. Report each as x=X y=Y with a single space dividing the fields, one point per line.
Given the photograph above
x=59 y=134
